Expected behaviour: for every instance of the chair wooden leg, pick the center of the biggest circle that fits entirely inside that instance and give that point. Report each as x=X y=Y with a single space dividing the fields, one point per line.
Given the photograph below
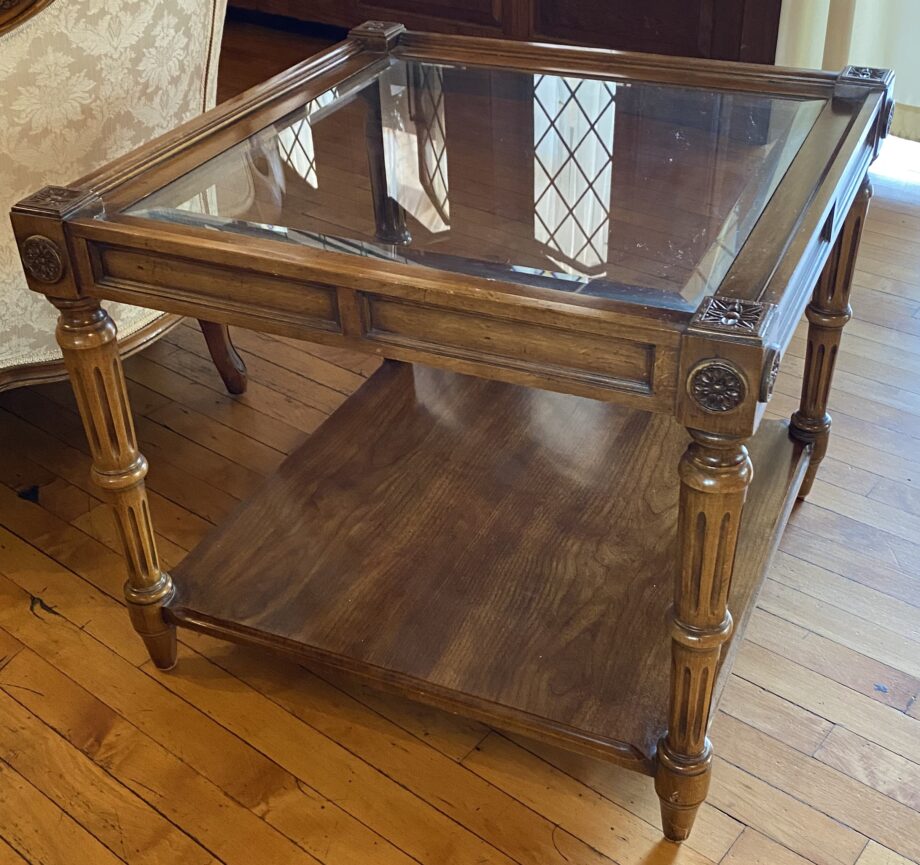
x=229 y=364
x=88 y=341
x=715 y=472
x=827 y=313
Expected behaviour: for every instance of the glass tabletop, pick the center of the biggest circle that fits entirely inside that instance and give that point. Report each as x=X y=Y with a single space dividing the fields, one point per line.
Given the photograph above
x=634 y=191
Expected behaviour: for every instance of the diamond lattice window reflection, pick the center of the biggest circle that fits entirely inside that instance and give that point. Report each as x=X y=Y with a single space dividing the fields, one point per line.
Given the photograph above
x=573 y=161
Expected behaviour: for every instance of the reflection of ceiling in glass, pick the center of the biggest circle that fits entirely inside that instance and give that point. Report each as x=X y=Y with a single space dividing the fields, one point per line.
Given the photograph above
x=573 y=154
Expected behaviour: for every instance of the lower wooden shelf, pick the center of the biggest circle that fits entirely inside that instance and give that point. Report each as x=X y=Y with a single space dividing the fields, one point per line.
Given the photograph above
x=503 y=552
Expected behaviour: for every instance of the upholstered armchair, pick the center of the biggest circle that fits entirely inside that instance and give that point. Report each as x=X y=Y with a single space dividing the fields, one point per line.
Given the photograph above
x=82 y=82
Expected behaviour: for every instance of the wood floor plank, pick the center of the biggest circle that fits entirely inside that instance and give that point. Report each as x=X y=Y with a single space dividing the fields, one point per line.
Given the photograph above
x=301 y=359
x=873 y=765
x=849 y=477
x=905 y=496
x=832 y=660
x=886 y=406
x=125 y=824
x=215 y=436
x=162 y=445
x=236 y=767
x=757 y=707
x=56 y=590
x=862 y=429
x=717 y=830
x=53 y=439
x=457 y=738
x=845 y=594
x=550 y=792
x=306 y=379
x=233 y=833
x=783 y=818
x=875 y=854
x=861 y=635
x=8 y=856
x=866 y=365
x=39 y=831
x=863 y=541
x=878 y=723
x=451 y=735
x=752 y=848
x=884 y=337
x=214 y=411
x=859 y=565
x=358 y=363
x=899 y=468
x=382 y=795
x=844 y=799
x=875 y=514
x=267 y=400
x=99 y=524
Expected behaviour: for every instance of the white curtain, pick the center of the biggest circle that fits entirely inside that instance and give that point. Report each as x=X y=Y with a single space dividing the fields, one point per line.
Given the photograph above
x=830 y=34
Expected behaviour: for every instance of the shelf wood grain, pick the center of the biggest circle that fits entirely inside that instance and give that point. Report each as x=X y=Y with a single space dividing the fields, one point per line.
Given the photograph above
x=488 y=548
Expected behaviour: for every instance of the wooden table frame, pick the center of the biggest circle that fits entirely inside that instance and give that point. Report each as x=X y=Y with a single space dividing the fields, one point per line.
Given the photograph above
x=712 y=370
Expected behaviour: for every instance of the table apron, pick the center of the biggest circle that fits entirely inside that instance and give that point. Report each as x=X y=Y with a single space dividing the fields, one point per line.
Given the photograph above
x=574 y=353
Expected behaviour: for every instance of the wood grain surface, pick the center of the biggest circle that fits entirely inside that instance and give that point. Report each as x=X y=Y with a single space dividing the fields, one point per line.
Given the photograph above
x=279 y=759
x=482 y=545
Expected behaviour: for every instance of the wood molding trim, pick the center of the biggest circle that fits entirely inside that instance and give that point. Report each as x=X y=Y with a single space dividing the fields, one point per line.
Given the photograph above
x=15 y=12
x=54 y=370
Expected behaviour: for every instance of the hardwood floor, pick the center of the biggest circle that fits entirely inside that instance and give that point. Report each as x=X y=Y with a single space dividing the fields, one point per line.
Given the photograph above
x=241 y=759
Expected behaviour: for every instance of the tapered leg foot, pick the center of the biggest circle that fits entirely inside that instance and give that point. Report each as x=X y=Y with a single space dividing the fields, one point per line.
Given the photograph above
x=816 y=432
x=162 y=647
x=146 y=610
x=676 y=822
x=226 y=358
x=681 y=785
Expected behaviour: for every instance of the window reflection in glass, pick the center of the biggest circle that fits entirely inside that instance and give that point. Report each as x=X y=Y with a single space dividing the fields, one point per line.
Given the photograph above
x=295 y=142
x=573 y=155
x=415 y=142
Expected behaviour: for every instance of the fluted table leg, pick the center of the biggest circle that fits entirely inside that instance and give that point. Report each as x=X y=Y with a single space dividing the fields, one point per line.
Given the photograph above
x=88 y=340
x=715 y=472
x=827 y=313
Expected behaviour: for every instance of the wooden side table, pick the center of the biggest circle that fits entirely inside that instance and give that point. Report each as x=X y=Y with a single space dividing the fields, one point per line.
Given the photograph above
x=553 y=505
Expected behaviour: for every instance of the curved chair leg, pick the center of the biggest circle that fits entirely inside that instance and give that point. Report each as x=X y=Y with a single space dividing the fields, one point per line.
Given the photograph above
x=229 y=364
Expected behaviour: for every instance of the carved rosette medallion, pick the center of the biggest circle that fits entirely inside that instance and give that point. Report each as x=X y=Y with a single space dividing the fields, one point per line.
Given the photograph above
x=770 y=372
x=730 y=315
x=889 y=119
x=41 y=259
x=717 y=386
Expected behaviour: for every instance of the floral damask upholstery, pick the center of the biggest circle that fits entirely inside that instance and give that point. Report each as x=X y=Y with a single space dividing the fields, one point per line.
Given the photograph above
x=82 y=82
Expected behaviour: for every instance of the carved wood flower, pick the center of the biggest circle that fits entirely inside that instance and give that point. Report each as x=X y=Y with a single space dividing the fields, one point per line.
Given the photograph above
x=732 y=314
x=717 y=387
x=41 y=259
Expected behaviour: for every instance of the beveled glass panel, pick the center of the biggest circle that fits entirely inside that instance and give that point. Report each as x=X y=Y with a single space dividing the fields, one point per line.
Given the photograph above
x=642 y=192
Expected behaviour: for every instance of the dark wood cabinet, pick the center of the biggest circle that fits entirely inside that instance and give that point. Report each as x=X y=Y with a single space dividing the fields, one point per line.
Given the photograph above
x=722 y=29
